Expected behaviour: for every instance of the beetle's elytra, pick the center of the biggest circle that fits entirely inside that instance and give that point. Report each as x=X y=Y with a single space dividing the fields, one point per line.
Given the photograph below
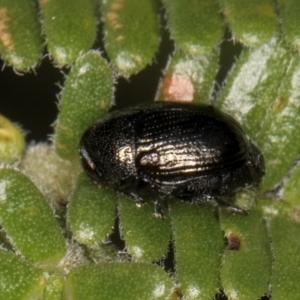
x=192 y=152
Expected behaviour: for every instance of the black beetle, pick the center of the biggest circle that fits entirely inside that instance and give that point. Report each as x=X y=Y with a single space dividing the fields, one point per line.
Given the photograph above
x=192 y=152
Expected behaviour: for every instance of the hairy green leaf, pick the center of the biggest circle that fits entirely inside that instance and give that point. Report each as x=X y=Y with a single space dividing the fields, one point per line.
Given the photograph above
x=12 y=141
x=252 y=22
x=86 y=97
x=118 y=281
x=289 y=11
x=20 y=34
x=131 y=33
x=146 y=236
x=70 y=28
x=189 y=79
x=284 y=230
x=196 y=26
x=19 y=280
x=28 y=220
x=246 y=264
x=198 y=245
x=91 y=211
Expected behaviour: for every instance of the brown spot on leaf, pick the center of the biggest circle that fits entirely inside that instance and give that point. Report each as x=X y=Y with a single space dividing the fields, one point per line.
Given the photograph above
x=117 y=5
x=5 y=35
x=120 y=38
x=279 y=103
x=178 y=88
x=233 y=241
x=113 y=20
x=266 y=10
x=295 y=215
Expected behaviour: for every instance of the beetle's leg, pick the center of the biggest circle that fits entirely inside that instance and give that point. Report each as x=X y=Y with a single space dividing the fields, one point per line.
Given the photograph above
x=139 y=202
x=231 y=207
x=158 y=211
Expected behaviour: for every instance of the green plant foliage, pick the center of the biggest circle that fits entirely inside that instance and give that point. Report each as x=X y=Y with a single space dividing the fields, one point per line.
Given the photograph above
x=198 y=245
x=189 y=79
x=289 y=19
x=54 y=287
x=19 y=280
x=246 y=263
x=292 y=187
x=20 y=37
x=76 y=246
x=196 y=26
x=12 y=142
x=88 y=87
x=130 y=33
x=91 y=211
x=146 y=237
x=28 y=220
x=281 y=126
x=119 y=281
x=66 y=37
x=252 y=22
x=253 y=83
x=284 y=227
x=53 y=176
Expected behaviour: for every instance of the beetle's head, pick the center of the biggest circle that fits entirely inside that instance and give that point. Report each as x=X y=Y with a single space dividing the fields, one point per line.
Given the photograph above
x=107 y=153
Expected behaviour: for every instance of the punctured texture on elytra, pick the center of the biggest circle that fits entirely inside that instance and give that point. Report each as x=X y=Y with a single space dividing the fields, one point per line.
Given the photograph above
x=131 y=33
x=196 y=26
x=28 y=220
x=20 y=34
x=86 y=97
x=69 y=26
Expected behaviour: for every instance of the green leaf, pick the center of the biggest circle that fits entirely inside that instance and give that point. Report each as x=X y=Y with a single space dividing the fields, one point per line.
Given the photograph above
x=19 y=280
x=196 y=26
x=131 y=31
x=284 y=230
x=55 y=177
x=54 y=287
x=253 y=84
x=28 y=220
x=147 y=237
x=91 y=212
x=252 y=22
x=278 y=137
x=12 y=142
x=118 y=281
x=86 y=97
x=20 y=34
x=289 y=11
x=246 y=263
x=291 y=190
x=70 y=28
x=189 y=79
x=198 y=244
